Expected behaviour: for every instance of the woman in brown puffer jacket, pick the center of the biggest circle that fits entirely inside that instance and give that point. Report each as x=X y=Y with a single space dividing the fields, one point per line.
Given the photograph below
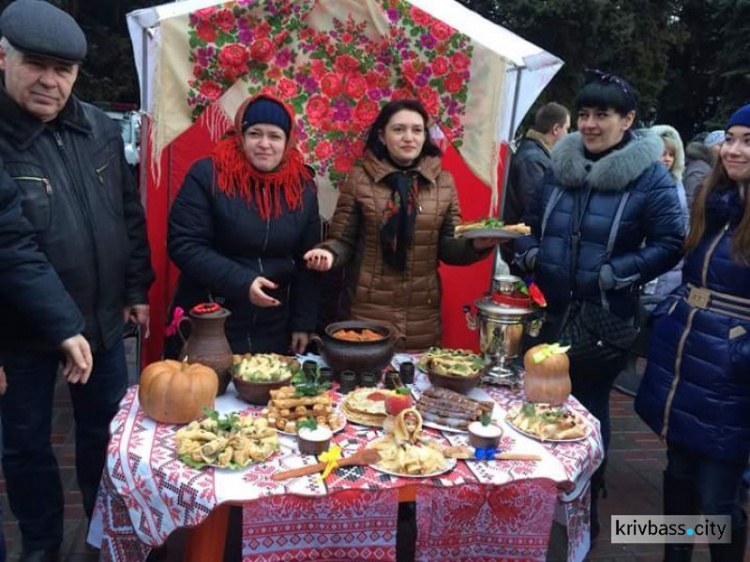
x=394 y=221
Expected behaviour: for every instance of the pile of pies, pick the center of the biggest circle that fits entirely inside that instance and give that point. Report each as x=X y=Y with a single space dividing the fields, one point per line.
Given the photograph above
x=548 y=423
x=286 y=408
x=365 y=406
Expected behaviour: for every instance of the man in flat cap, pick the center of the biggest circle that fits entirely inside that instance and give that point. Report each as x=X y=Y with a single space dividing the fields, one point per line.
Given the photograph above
x=67 y=160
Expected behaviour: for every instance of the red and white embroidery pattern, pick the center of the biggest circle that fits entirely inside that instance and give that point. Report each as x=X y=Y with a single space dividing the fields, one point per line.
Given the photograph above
x=147 y=493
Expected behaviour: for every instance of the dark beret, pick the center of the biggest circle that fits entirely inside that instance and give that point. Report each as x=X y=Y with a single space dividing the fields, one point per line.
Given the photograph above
x=36 y=27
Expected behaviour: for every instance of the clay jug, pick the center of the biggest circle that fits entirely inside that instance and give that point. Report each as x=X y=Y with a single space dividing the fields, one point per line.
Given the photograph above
x=207 y=343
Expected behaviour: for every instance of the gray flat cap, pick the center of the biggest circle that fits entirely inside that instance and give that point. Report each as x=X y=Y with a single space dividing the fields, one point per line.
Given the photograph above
x=36 y=27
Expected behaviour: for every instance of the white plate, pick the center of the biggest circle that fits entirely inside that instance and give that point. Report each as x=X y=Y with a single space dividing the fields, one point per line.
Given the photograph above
x=450 y=466
x=439 y=427
x=335 y=431
x=537 y=438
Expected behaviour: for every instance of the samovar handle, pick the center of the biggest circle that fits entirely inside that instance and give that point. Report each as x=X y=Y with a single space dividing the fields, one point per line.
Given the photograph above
x=471 y=319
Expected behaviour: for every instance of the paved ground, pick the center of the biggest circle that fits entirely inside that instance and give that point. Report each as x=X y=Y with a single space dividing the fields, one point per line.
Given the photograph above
x=634 y=487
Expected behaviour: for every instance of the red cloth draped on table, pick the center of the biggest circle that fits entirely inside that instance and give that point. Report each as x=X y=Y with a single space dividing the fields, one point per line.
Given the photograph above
x=484 y=523
x=350 y=525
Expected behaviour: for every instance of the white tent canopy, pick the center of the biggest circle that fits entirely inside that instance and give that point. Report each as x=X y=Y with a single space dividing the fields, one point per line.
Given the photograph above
x=529 y=68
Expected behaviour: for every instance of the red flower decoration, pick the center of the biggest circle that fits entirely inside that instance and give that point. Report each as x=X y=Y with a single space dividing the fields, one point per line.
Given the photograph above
x=323 y=150
x=263 y=29
x=440 y=66
x=317 y=110
x=366 y=111
x=440 y=30
x=536 y=295
x=211 y=90
x=430 y=99
x=233 y=59
x=331 y=85
x=459 y=61
x=420 y=17
x=225 y=20
x=342 y=163
x=318 y=68
x=206 y=31
x=287 y=88
x=356 y=86
x=262 y=49
x=453 y=83
x=346 y=64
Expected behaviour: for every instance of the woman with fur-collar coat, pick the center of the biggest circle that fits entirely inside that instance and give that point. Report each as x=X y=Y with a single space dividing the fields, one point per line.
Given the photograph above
x=615 y=183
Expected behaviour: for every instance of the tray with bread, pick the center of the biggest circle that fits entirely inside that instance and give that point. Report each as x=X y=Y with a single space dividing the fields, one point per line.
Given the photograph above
x=287 y=407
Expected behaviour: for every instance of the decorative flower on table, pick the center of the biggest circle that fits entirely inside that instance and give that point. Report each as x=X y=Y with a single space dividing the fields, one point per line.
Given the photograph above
x=532 y=290
x=335 y=79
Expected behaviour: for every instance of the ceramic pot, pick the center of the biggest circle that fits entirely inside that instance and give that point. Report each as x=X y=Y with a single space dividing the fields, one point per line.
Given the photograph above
x=208 y=344
x=357 y=356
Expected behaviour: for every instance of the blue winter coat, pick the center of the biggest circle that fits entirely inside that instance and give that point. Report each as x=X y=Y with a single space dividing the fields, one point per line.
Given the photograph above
x=221 y=245
x=696 y=389
x=648 y=241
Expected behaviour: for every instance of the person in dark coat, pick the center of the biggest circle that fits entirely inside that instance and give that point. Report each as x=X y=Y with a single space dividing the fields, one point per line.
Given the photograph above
x=595 y=171
x=239 y=227
x=695 y=391
x=699 y=159
x=78 y=194
x=531 y=160
x=31 y=285
x=528 y=165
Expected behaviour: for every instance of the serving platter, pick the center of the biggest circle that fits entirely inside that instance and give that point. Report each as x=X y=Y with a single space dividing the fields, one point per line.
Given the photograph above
x=451 y=464
x=536 y=437
x=498 y=233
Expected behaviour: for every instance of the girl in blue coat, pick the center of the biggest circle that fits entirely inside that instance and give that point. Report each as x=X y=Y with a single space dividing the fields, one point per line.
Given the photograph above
x=610 y=186
x=696 y=390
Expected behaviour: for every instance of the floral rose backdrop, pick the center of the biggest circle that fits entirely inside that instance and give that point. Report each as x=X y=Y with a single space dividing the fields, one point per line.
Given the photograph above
x=336 y=62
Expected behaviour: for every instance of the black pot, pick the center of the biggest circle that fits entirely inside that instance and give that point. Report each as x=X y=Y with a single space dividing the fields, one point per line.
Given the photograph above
x=357 y=356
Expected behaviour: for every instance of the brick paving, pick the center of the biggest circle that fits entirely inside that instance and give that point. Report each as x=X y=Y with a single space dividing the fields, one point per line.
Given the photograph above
x=634 y=487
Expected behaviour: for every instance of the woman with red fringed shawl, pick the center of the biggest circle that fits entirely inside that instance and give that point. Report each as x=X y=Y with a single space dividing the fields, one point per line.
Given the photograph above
x=239 y=227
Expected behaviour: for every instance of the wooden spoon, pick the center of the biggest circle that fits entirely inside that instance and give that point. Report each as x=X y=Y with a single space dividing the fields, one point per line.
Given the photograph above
x=363 y=456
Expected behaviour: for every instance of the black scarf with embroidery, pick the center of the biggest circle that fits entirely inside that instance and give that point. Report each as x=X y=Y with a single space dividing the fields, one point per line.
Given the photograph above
x=399 y=218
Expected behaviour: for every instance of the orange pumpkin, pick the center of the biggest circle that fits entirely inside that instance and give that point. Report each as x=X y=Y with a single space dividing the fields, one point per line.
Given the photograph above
x=175 y=392
x=547 y=381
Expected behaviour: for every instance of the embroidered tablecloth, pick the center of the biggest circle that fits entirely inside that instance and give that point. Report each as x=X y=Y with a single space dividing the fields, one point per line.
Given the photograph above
x=147 y=492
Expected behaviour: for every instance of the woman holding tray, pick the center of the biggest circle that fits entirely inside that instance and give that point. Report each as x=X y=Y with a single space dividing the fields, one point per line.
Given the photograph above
x=394 y=222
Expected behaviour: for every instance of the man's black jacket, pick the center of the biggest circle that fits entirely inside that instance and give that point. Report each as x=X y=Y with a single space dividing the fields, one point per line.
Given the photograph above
x=82 y=201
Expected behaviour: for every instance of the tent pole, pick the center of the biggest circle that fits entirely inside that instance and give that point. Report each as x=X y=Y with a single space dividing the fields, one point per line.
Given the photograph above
x=143 y=164
x=499 y=267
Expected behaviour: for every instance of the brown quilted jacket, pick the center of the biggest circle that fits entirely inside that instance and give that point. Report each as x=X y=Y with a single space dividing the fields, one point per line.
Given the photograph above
x=409 y=299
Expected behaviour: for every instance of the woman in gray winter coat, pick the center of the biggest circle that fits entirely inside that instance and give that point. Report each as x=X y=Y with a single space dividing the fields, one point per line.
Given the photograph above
x=673 y=158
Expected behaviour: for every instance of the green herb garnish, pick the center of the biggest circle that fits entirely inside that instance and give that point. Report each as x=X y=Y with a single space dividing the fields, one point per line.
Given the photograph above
x=528 y=410
x=485 y=419
x=403 y=390
x=226 y=423
x=552 y=416
x=493 y=222
x=309 y=423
